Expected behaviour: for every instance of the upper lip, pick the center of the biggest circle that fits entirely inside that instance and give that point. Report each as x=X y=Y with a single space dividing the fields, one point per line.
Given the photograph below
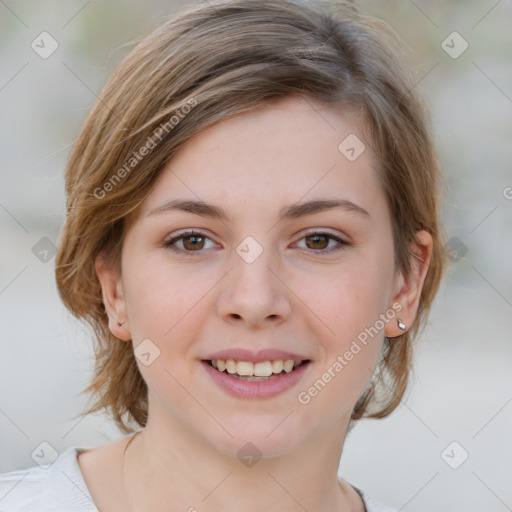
x=268 y=354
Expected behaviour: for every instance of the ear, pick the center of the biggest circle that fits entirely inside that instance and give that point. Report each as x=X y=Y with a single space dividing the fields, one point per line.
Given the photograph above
x=113 y=298
x=407 y=289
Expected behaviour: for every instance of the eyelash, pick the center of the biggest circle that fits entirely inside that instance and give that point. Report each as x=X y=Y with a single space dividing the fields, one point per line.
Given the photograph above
x=169 y=244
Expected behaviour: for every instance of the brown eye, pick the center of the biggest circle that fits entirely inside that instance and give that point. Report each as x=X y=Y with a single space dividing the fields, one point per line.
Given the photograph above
x=193 y=242
x=319 y=242
x=189 y=242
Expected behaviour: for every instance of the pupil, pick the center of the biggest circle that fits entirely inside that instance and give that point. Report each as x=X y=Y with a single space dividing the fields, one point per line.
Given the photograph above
x=316 y=238
x=194 y=240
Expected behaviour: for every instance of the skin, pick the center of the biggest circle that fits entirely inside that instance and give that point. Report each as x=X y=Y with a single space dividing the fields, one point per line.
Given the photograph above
x=291 y=297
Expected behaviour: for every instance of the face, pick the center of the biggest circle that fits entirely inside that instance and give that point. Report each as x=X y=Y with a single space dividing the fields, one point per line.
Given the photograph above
x=260 y=280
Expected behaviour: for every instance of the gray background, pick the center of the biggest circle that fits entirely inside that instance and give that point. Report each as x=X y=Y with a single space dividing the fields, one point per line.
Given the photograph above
x=462 y=385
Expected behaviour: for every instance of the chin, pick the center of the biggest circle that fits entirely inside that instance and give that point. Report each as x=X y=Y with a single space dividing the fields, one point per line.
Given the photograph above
x=260 y=437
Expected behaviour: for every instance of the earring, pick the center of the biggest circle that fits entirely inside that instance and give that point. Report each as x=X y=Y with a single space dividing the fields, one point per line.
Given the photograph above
x=400 y=323
x=119 y=323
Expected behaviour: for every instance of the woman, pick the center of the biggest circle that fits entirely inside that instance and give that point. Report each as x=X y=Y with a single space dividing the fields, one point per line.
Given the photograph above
x=253 y=234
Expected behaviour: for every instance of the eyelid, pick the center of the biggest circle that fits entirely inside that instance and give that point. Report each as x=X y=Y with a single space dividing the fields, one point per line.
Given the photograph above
x=168 y=243
x=324 y=231
x=342 y=243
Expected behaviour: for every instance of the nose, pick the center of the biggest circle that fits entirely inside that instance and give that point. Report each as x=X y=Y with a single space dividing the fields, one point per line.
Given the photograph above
x=255 y=294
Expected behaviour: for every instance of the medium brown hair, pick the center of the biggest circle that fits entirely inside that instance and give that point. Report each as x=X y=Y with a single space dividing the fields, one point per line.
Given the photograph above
x=213 y=61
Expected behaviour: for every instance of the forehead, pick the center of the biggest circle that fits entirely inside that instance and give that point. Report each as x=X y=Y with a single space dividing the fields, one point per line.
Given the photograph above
x=291 y=150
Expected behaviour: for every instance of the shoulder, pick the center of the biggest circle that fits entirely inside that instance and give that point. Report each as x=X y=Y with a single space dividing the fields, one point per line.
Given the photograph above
x=60 y=487
x=373 y=506
x=370 y=505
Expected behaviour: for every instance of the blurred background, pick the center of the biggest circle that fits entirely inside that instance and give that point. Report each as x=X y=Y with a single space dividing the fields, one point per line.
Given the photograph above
x=448 y=447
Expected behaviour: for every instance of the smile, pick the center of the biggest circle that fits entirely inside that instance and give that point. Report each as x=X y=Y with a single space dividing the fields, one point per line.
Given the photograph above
x=247 y=370
x=263 y=379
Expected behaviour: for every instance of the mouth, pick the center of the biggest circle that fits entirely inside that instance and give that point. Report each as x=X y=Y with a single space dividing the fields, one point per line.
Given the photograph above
x=255 y=371
x=256 y=374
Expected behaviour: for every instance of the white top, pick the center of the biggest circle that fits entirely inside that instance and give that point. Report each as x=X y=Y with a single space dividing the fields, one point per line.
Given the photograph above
x=61 y=488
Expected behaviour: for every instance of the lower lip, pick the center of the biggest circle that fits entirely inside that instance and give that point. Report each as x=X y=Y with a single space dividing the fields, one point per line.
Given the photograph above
x=262 y=389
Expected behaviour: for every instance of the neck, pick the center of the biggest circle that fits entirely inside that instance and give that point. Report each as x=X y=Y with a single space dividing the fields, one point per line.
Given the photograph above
x=165 y=464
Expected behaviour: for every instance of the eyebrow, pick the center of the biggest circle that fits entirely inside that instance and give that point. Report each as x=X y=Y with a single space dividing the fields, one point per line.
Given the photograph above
x=293 y=211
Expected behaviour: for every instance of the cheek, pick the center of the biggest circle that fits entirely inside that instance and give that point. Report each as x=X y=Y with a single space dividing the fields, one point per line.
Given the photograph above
x=350 y=304
x=350 y=307
x=350 y=298
x=159 y=297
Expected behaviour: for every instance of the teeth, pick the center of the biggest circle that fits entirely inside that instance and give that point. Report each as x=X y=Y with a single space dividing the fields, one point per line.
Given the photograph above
x=245 y=368
x=263 y=369
x=288 y=365
x=230 y=366
x=277 y=366
x=249 y=369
